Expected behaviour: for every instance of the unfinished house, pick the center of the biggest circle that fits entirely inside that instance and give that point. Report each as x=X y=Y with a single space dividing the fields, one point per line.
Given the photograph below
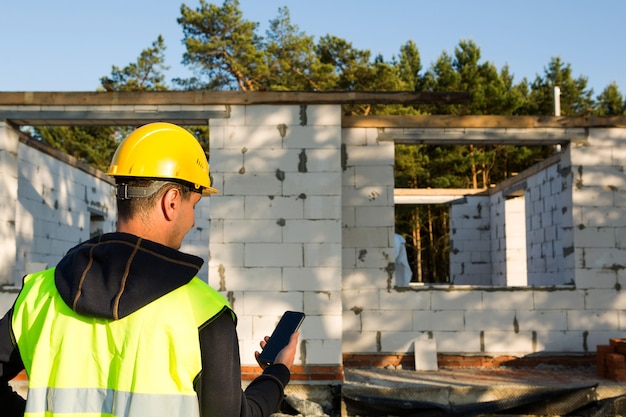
x=305 y=221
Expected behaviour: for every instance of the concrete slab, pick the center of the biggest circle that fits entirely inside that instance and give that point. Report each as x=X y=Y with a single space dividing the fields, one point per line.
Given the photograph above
x=470 y=391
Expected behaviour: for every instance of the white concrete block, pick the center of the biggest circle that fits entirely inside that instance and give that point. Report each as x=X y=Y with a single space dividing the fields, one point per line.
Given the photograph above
x=252 y=184
x=273 y=254
x=369 y=155
x=509 y=342
x=386 y=320
x=318 y=160
x=322 y=207
x=357 y=299
x=259 y=115
x=237 y=278
x=425 y=354
x=395 y=342
x=589 y=341
x=228 y=254
x=324 y=115
x=327 y=326
x=372 y=236
x=559 y=300
x=374 y=216
x=604 y=299
x=323 y=255
x=490 y=320
x=216 y=231
x=374 y=174
x=257 y=303
x=314 y=183
x=532 y=320
x=254 y=231
x=593 y=320
x=600 y=155
x=365 y=278
x=348 y=257
x=374 y=195
x=324 y=351
x=424 y=320
x=312 y=231
x=268 y=160
x=233 y=160
x=354 y=137
x=312 y=137
x=604 y=176
x=351 y=322
x=405 y=300
x=358 y=342
x=274 y=207
x=312 y=279
x=594 y=278
x=596 y=216
x=457 y=300
x=558 y=342
x=457 y=341
x=322 y=301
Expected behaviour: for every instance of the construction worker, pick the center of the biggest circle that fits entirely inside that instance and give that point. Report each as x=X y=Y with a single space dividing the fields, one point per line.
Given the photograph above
x=122 y=326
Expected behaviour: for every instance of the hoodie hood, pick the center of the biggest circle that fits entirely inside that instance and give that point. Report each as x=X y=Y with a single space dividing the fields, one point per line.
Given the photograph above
x=115 y=274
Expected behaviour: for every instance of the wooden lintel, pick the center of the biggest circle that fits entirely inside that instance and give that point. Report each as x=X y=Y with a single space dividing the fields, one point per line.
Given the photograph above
x=511 y=122
x=402 y=192
x=52 y=98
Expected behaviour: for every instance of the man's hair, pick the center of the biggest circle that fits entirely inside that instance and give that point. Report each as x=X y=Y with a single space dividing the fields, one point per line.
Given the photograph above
x=141 y=207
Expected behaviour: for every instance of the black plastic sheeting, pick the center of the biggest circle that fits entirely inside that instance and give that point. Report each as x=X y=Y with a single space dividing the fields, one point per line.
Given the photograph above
x=579 y=402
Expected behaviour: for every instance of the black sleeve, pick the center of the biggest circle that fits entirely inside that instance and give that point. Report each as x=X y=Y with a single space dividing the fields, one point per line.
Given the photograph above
x=219 y=384
x=10 y=365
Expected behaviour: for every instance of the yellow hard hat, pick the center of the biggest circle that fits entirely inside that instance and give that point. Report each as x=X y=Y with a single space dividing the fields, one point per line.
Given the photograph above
x=165 y=151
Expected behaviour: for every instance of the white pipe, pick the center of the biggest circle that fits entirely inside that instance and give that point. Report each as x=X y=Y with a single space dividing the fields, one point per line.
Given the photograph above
x=557 y=101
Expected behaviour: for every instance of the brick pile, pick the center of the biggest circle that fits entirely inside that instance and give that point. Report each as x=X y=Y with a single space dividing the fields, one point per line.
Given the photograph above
x=611 y=360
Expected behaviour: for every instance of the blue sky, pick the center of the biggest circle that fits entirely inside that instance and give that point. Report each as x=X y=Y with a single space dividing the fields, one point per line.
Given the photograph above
x=67 y=45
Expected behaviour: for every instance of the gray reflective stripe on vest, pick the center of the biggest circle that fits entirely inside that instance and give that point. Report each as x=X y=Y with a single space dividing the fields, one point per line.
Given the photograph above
x=107 y=401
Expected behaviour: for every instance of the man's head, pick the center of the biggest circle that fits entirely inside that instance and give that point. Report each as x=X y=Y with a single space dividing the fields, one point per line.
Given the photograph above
x=160 y=171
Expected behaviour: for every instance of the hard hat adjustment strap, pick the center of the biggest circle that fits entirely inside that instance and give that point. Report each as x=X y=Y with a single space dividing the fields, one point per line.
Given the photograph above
x=126 y=192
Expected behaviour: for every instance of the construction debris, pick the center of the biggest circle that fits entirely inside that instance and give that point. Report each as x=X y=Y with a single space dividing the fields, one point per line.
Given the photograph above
x=611 y=360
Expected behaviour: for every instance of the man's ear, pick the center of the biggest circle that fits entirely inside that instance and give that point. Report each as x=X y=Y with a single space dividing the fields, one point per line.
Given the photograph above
x=170 y=203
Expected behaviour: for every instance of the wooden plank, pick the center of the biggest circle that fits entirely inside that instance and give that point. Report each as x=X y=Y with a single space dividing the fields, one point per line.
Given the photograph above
x=52 y=98
x=449 y=121
x=437 y=191
x=103 y=117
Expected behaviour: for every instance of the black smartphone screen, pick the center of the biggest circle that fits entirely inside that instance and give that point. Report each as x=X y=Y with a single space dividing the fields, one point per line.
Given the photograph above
x=288 y=324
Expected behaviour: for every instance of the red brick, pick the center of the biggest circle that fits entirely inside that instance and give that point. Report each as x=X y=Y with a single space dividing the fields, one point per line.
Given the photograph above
x=616 y=341
x=615 y=361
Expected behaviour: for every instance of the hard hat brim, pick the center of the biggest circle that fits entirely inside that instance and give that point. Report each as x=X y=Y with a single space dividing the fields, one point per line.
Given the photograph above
x=207 y=191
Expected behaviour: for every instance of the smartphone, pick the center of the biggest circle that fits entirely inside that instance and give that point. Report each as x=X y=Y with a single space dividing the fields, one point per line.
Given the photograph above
x=288 y=324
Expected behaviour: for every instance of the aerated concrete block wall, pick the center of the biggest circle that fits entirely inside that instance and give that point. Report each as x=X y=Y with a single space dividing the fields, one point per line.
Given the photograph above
x=276 y=235
x=56 y=202
x=565 y=245
x=548 y=196
x=371 y=315
x=471 y=227
x=47 y=208
x=507 y=240
x=9 y=143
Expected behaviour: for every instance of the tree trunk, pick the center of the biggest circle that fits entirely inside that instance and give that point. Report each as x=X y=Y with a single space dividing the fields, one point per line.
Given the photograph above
x=433 y=249
x=474 y=174
x=417 y=241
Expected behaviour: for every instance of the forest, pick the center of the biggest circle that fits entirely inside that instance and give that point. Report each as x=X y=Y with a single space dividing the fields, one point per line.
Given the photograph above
x=225 y=51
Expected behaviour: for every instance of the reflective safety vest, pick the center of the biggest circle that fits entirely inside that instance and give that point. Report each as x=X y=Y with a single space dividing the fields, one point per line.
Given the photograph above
x=141 y=365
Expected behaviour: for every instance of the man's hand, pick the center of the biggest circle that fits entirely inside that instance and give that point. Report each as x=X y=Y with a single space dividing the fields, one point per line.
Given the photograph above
x=285 y=356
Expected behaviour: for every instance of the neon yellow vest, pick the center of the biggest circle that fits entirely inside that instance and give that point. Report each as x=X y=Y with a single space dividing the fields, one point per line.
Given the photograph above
x=141 y=365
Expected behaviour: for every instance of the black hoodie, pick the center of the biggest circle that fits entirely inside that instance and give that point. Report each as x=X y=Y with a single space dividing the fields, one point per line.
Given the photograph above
x=115 y=274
